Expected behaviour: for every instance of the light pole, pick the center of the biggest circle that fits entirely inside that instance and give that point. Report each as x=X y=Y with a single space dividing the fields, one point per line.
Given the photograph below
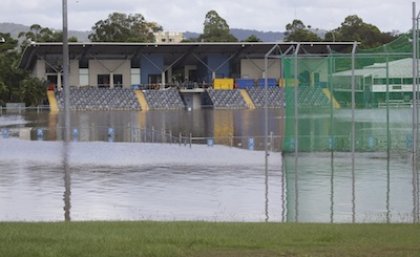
x=67 y=174
x=415 y=118
x=66 y=75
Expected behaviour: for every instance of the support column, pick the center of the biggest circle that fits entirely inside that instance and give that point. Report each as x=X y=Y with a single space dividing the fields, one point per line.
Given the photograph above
x=162 y=86
x=59 y=83
x=170 y=75
x=111 y=80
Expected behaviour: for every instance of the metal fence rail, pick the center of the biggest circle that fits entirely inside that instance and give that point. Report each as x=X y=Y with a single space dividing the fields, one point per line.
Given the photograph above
x=140 y=135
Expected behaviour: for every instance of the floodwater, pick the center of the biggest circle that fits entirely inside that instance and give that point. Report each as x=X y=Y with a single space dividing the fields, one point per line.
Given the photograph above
x=144 y=172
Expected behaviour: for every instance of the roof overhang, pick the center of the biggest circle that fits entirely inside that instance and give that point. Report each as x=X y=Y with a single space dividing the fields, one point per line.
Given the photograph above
x=129 y=50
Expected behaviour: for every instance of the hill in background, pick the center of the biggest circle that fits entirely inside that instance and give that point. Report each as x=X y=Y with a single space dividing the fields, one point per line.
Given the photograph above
x=14 y=30
x=242 y=34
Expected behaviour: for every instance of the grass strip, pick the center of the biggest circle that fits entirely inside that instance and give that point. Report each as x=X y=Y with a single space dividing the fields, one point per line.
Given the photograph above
x=207 y=239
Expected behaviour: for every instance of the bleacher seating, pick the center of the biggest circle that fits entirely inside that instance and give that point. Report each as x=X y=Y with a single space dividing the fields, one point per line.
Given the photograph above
x=99 y=99
x=231 y=99
x=164 y=99
x=275 y=97
x=310 y=96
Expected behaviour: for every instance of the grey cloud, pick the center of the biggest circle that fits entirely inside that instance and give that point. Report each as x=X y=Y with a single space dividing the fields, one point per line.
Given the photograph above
x=181 y=15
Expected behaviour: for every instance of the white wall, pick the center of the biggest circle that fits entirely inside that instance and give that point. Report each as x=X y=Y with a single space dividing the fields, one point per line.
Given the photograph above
x=39 y=70
x=74 y=73
x=254 y=68
x=107 y=67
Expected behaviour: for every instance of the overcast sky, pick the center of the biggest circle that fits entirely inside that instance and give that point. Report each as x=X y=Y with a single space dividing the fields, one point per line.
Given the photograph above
x=188 y=15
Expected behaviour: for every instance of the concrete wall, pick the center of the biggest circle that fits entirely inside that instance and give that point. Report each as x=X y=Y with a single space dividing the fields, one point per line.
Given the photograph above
x=254 y=68
x=74 y=73
x=97 y=67
x=39 y=69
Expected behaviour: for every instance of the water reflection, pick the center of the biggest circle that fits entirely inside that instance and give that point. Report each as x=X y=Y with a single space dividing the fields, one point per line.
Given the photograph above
x=332 y=189
x=67 y=182
x=379 y=190
x=310 y=187
x=388 y=188
x=228 y=127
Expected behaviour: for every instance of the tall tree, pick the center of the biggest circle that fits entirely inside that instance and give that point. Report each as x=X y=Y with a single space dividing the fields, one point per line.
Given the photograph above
x=216 y=29
x=37 y=33
x=15 y=84
x=353 y=28
x=120 y=27
x=297 y=31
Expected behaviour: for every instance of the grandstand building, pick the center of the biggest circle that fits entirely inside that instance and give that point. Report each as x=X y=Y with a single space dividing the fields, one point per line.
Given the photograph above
x=191 y=68
x=169 y=37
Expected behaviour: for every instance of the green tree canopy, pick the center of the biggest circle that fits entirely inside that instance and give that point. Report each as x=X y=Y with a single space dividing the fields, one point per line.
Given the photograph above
x=37 y=33
x=297 y=31
x=216 y=29
x=17 y=85
x=353 y=28
x=252 y=38
x=120 y=27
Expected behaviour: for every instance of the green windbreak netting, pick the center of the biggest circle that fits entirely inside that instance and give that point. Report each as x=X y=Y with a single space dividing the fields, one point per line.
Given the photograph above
x=318 y=89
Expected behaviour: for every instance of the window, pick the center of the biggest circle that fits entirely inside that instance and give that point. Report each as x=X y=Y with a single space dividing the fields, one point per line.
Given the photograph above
x=84 y=77
x=103 y=80
x=135 y=76
x=118 y=80
x=407 y=81
x=395 y=81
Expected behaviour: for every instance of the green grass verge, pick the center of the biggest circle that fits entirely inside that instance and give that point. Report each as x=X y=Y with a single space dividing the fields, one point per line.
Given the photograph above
x=206 y=239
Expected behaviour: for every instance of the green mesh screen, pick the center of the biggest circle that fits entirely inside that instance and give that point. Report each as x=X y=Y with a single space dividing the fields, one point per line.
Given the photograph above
x=318 y=94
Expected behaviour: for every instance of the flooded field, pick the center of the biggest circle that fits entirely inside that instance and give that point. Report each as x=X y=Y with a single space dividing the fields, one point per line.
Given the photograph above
x=142 y=177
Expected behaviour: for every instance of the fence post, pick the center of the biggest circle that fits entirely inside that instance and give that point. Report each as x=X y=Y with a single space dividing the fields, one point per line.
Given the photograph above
x=111 y=135
x=251 y=143
x=5 y=133
x=180 y=138
x=163 y=135
x=75 y=135
x=231 y=140
x=271 y=141
x=40 y=134
x=153 y=134
x=190 y=139
x=170 y=136
x=129 y=133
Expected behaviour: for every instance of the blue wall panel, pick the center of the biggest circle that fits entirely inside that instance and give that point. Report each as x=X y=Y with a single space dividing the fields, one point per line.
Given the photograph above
x=214 y=61
x=147 y=68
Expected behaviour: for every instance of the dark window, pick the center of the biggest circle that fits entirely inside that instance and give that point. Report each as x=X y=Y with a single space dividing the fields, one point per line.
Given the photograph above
x=407 y=81
x=118 y=80
x=103 y=80
x=84 y=64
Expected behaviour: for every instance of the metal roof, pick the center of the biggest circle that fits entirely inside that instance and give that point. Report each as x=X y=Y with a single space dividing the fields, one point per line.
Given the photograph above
x=402 y=68
x=172 y=51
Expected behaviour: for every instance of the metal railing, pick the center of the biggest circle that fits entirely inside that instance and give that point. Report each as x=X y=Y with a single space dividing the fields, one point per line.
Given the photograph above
x=20 y=109
x=141 y=135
